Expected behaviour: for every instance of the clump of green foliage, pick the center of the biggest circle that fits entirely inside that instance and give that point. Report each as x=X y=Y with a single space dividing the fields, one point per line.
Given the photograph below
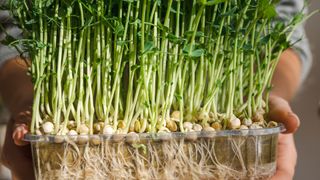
x=104 y=66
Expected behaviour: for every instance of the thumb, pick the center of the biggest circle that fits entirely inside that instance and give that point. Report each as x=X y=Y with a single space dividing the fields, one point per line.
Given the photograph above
x=21 y=127
x=18 y=134
x=280 y=111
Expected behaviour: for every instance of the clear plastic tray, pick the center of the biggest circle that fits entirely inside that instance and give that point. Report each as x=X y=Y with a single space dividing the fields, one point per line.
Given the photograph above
x=237 y=154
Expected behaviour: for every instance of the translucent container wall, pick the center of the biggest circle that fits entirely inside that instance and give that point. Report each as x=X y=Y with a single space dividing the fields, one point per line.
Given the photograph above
x=241 y=154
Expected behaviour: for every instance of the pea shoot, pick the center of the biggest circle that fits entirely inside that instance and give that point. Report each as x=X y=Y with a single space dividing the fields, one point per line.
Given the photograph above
x=133 y=63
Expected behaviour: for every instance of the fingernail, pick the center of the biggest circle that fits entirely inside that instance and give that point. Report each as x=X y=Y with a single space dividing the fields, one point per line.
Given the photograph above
x=292 y=115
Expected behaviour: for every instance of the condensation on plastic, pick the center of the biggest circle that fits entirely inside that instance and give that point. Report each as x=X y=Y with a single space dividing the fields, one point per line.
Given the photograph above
x=228 y=154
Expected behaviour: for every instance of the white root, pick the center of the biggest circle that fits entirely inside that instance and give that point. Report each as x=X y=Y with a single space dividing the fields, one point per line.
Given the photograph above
x=206 y=158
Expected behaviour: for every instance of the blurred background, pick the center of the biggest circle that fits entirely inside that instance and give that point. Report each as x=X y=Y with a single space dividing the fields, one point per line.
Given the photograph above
x=4 y=116
x=306 y=105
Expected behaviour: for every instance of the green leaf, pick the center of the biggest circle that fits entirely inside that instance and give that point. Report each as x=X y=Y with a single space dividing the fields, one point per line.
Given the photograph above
x=270 y=12
x=88 y=23
x=119 y=28
x=283 y=41
x=214 y=2
x=279 y=26
x=62 y=12
x=178 y=96
x=134 y=67
x=32 y=21
x=146 y=104
x=128 y=1
x=68 y=2
x=266 y=9
x=163 y=27
x=148 y=47
x=173 y=10
x=122 y=43
x=137 y=22
x=40 y=45
x=190 y=33
x=264 y=40
x=230 y=12
x=247 y=48
x=297 y=18
x=158 y=2
x=49 y=3
x=197 y=53
x=174 y=39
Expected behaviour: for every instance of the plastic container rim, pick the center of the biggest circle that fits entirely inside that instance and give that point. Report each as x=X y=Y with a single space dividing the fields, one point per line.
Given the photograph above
x=171 y=135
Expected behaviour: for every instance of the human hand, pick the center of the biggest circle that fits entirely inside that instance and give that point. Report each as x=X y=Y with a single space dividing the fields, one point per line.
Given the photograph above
x=286 y=158
x=17 y=93
x=280 y=111
x=17 y=153
x=21 y=128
